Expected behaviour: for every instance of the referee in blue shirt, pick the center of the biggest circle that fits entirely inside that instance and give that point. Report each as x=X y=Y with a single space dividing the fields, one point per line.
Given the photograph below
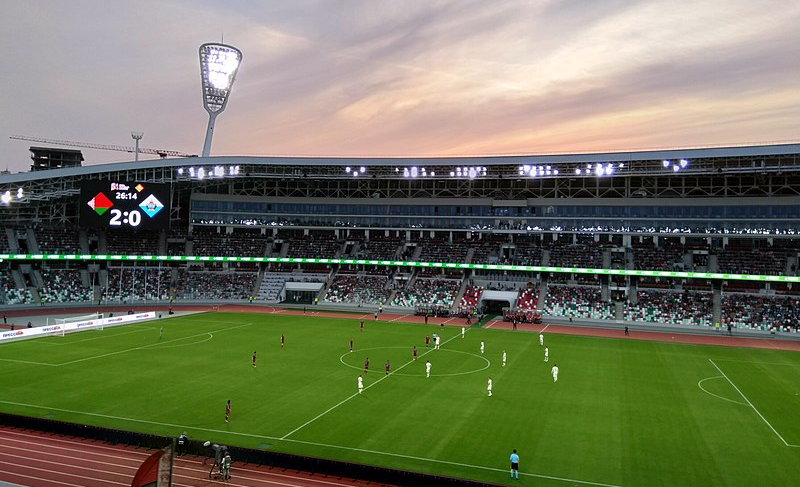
x=514 y=465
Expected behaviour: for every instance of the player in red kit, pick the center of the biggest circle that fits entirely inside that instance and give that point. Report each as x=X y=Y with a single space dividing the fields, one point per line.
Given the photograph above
x=283 y=341
x=366 y=365
x=362 y=325
x=228 y=412
x=428 y=341
x=254 y=359
x=415 y=352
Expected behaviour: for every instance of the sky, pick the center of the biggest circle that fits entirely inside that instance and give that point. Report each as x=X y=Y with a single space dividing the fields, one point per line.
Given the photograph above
x=417 y=78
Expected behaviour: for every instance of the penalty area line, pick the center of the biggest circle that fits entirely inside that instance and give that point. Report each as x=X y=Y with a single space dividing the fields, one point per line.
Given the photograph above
x=751 y=405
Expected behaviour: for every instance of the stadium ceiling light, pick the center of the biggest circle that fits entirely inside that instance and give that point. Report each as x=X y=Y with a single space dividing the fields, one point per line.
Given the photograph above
x=20 y=193
x=5 y=198
x=362 y=169
x=218 y=66
x=683 y=163
x=452 y=174
x=347 y=169
x=665 y=163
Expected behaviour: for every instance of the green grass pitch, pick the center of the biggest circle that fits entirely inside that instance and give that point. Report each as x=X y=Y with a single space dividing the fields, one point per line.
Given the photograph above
x=624 y=412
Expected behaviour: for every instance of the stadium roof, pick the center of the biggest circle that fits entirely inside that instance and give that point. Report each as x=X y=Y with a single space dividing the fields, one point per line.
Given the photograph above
x=650 y=155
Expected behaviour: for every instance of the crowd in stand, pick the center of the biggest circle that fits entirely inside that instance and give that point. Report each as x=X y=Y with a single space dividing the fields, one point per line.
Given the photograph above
x=576 y=255
x=215 y=285
x=577 y=302
x=63 y=286
x=438 y=251
x=239 y=243
x=761 y=312
x=436 y=292
x=12 y=294
x=358 y=289
x=310 y=248
x=664 y=258
x=53 y=240
x=528 y=255
x=528 y=299
x=139 y=243
x=676 y=308
x=126 y=284
x=752 y=262
x=472 y=296
x=379 y=249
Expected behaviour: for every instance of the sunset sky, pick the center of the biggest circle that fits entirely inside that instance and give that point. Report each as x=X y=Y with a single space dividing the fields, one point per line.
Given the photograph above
x=403 y=78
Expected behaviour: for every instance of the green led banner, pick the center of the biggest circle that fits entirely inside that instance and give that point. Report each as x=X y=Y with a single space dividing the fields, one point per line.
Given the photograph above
x=401 y=263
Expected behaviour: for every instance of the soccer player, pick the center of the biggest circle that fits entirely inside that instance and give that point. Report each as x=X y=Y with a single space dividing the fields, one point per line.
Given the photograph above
x=428 y=341
x=438 y=338
x=362 y=325
x=160 y=333
x=489 y=387
x=414 y=352
x=428 y=368
x=376 y=315
x=546 y=354
x=482 y=347
x=541 y=340
x=254 y=359
x=504 y=358
x=554 y=371
x=463 y=330
x=228 y=412
x=514 y=465
x=360 y=384
x=388 y=367
x=283 y=341
x=469 y=320
x=351 y=344
x=366 y=365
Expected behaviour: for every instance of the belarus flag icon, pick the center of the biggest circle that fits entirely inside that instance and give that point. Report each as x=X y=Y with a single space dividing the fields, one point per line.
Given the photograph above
x=100 y=203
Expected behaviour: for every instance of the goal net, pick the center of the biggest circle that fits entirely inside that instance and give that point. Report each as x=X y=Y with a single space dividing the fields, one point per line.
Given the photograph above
x=56 y=326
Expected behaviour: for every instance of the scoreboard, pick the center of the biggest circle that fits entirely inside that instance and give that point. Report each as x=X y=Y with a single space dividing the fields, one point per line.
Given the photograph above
x=125 y=205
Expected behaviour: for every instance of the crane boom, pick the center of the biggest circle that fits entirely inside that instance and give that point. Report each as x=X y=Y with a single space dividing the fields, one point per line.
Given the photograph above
x=119 y=148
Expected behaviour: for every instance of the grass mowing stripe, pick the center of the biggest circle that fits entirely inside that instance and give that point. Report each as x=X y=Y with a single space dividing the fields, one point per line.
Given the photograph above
x=751 y=405
x=148 y=346
x=355 y=394
x=304 y=442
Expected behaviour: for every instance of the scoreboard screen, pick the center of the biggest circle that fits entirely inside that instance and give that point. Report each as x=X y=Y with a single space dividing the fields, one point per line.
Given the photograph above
x=125 y=205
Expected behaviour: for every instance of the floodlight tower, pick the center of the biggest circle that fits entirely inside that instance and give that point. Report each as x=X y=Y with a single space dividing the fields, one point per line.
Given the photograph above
x=137 y=136
x=218 y=66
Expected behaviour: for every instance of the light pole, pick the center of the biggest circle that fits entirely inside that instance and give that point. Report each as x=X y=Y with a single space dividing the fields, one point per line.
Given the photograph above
x=137 y=136
x=218 y=66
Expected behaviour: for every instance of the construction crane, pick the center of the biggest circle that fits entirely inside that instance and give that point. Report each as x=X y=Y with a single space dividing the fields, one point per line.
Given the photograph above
x=159 y=152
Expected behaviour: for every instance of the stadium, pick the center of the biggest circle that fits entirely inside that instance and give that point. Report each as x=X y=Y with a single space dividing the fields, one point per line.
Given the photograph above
x=138 y=297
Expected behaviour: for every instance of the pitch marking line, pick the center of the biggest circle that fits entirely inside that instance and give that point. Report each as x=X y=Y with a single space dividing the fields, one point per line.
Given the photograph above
x=27 y=362
x=151 y=345
x=700 y=385
x=356 y=393
x=267 y=437
x=751 y=405
x=399 y=318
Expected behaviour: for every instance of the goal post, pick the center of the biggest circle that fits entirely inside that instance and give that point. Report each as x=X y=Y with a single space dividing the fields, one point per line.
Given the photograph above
x=58 y=326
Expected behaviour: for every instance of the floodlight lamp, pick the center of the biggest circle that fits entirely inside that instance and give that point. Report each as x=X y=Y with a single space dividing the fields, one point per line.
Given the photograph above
x=19 y=193
x=684 y=163
x=665 y=163
x=5 y=197
x=347 y=169
x=578 y=171
x=362 y=169
x=218 y=66
x=452 y=174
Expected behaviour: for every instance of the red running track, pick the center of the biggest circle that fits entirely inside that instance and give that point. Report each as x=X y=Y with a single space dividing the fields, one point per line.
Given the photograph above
x=37 y=459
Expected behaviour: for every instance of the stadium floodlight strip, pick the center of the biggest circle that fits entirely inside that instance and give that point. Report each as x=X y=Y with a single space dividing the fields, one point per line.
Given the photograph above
x=403 y=263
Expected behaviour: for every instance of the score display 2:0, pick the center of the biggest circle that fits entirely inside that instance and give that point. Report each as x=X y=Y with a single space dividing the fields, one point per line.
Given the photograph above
x=119 y=217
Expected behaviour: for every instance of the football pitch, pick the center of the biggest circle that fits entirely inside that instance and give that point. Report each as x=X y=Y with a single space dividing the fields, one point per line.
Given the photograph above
x=624 y=413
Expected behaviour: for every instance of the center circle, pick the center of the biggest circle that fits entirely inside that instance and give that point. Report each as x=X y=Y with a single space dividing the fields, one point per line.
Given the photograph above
x=421 y=358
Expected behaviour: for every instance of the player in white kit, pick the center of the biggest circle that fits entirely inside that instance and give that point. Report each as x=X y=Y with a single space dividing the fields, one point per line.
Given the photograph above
x=504 y=358
x=436 y=342
x=546 y=354
x=482 y=347
x=360 y=384
x=463 y=330
x=541 y=340
x=554 y=370
x=489 y=387
x=428 y=368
